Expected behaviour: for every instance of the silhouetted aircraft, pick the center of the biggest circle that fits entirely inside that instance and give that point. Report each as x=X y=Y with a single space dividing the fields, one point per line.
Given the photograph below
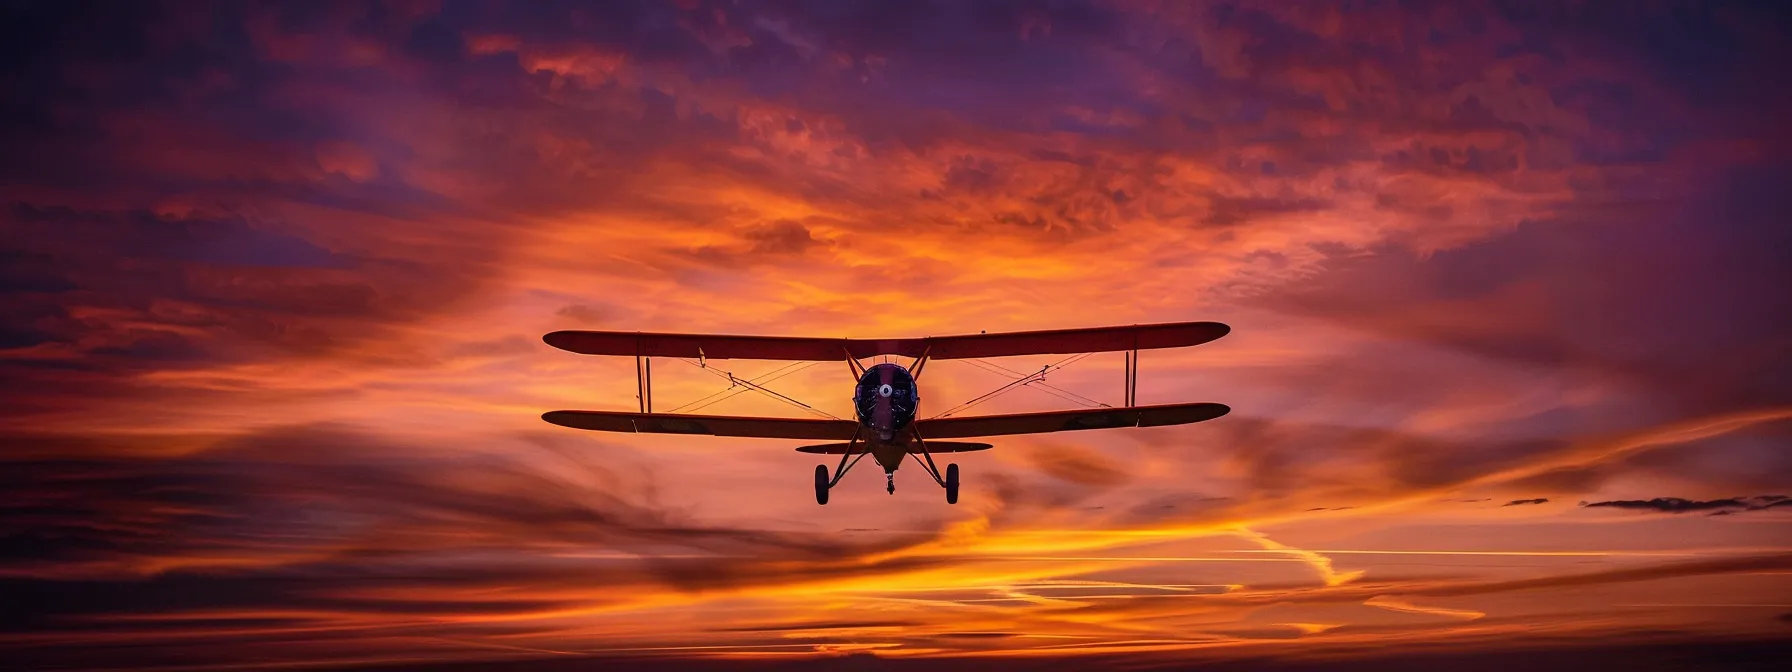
x=887 y=396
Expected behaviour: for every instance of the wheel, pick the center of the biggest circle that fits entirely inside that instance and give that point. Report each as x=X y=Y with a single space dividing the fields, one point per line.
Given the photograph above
x=821 y=484
x=951 y=484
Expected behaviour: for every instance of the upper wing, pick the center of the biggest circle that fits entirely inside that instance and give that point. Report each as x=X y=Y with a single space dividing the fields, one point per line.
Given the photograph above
x=709 y=346
x=717 y=425
x=1058 y=421
x=1068 y=341
x=1057 y=341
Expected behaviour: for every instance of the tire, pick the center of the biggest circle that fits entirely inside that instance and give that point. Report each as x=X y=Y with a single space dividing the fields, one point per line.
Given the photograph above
x=821 y=484
x=951 y=484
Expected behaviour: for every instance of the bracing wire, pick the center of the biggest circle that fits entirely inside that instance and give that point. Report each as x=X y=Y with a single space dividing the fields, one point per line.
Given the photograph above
x=733 y=391
x=1040 y=385
x=737 y=381
x=1032 y=377
x=1032 y=383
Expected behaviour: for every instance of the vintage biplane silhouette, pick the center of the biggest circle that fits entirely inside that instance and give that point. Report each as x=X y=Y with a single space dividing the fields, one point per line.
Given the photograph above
x=887 y=397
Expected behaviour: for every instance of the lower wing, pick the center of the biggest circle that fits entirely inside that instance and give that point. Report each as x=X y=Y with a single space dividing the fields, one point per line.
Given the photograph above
x=1060 y=421
x=839 y=430
x=716 y=425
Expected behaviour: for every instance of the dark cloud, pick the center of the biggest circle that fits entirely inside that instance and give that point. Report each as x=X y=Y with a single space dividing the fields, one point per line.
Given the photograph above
x=1670 y=299
x=1521 y=502
x=323 y=520
x=1077 y=465
x=584 y=314
x=121 y=292
x=780 y=237
x=973 y=174
x=1678 y=505
x=1232 y=211
x=1289 y=463
x=330 y=520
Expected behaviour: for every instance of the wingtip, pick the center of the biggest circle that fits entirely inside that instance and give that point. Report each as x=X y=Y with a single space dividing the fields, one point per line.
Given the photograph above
x=1216 y=330
x=555 y=338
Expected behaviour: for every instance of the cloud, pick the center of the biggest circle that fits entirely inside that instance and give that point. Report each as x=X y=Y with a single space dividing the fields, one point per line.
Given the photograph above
x=1714 y=566
x=301 y=479
x=584 y=313
x=1077 y=465
x=1280 y=459
x=822 y=625
x=1489 y=299
x=1520 y=502
x=309 y=519
x=136 y=293
x=1678 y=505
x=272 y=282
x=780 y=237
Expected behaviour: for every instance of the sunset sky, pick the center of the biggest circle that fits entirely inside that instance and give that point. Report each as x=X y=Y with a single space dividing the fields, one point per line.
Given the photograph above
x=1510 y=289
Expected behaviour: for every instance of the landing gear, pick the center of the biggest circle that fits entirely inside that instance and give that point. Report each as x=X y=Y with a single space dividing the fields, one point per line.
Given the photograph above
x=823 y=484
x=949 y=481
x=890 y=456
x=952 y=484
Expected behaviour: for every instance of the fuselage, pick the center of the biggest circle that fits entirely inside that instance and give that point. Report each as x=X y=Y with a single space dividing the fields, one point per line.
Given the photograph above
x=886 y=400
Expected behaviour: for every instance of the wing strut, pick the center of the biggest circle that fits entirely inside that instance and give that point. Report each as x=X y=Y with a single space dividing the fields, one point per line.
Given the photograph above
x=644 y=382
x=1132 y=372
x=1132 y=378
x=858 y=370
x=914 y=370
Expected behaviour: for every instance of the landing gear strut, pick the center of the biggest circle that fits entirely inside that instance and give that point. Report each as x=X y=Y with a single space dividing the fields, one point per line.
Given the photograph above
x=949 y=482
x=823 y=484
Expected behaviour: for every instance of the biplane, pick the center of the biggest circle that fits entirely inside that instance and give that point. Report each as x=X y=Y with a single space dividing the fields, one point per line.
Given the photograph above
x=887 y=396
